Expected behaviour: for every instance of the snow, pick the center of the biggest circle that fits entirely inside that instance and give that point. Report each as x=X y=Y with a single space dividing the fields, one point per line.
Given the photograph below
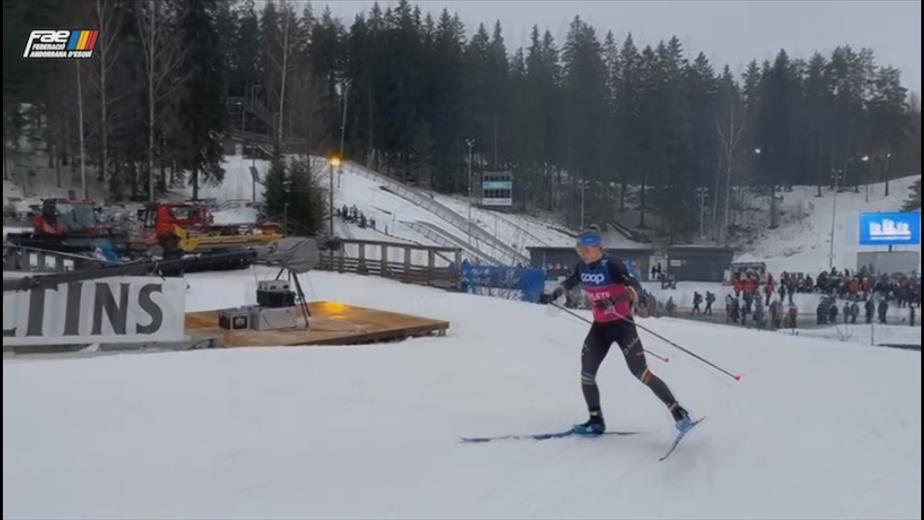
x=235 y=216
x=814 y=429
x=237 y=184
x=866 y=334
x=802 y=242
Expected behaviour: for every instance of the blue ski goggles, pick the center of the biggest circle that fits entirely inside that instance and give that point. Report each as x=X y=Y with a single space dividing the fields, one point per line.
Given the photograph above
x=589 y=239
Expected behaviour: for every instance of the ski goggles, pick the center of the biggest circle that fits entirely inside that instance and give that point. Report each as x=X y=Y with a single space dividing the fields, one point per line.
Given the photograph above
x=589 y=239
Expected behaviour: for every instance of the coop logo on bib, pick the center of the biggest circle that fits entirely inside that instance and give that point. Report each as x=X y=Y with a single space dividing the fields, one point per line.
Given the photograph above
x=594 y=278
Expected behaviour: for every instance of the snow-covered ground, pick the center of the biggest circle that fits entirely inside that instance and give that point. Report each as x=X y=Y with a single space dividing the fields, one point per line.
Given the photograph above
x=815 y=429
x=802 y=242
x=866 y=334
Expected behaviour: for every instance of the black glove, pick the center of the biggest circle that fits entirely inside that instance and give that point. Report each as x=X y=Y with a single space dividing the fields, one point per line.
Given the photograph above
x=548 y=298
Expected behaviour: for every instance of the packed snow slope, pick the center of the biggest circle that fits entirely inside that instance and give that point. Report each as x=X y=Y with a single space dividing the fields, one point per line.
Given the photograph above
x=814 y=429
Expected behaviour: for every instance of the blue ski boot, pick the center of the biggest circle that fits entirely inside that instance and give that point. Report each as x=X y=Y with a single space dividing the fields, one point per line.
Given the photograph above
x=593 y=426
x=684 y=423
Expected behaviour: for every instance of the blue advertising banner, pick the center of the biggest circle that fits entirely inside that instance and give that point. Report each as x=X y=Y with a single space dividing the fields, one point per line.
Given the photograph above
x=529 y=281
x=890 y=229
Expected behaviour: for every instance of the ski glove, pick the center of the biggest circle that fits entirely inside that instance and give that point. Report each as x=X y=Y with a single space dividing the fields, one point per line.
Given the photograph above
x=551 y=297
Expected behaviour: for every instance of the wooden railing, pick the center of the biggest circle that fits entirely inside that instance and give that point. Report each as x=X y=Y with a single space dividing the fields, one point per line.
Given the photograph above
x=410 y=263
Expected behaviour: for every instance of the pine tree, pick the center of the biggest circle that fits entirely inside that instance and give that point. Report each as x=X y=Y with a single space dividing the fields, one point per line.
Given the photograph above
x=914 y=198
x=203 y=118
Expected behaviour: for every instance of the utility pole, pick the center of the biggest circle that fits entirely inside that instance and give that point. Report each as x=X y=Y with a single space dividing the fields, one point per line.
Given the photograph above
x=334 y=161
x=702 y=211
x=470 y=143
x=346 y=100
x=836 y=175
x=582 y=205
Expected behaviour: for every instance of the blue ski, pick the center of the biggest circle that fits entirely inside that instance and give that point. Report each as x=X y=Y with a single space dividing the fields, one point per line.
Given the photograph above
x=680 y=437
x=538 y=436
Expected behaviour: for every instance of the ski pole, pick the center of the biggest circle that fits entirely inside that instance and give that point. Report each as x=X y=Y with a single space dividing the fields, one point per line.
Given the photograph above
x=578 y=316
x=736 y=377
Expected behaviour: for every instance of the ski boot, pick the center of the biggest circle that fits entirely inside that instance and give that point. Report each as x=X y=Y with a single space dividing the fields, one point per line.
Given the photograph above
x=682 y=418
x=593 y=426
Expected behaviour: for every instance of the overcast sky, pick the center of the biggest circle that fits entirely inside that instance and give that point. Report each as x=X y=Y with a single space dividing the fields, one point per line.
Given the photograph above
x=726 y=31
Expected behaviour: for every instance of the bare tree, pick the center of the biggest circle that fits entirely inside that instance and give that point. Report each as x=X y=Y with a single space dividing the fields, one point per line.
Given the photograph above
x=83 y=165
x=281 y=65
x=730 y=138
x=162 y=57
x=109 y=21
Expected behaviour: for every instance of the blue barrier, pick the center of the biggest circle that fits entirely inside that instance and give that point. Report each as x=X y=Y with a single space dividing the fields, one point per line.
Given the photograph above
x=530 y=281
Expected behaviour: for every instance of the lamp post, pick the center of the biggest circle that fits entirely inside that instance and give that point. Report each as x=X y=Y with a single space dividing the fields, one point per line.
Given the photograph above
x=701 y=191
x=346 y=101
x=836 y=175
x=287 y=184
x=583 y=186
x=334 y=162
x=470 y=143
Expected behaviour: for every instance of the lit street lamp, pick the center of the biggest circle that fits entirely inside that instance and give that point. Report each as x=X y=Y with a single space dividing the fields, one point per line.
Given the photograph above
x=334 y=162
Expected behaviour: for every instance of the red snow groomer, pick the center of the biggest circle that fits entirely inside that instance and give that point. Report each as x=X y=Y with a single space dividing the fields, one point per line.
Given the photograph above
x=70 y=225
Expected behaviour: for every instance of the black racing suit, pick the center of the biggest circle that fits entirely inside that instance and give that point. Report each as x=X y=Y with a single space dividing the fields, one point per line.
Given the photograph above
x=622 y=332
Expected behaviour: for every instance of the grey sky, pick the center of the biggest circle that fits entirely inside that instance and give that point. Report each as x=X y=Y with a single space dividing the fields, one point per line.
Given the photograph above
x=730 y=32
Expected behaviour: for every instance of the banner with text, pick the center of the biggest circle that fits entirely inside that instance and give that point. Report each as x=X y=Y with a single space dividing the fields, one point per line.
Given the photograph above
x=112 y=310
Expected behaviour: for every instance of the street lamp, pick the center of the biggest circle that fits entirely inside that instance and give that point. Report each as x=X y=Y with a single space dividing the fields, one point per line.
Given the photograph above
x=346 y=100
x=287 y=184
x=470 y=143
x=701 y=191
x=583 y=186
x=836 y=175
x=757 y=151
x=334 y=162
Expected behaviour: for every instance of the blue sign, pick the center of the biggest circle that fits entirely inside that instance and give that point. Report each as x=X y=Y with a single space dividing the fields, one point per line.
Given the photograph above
x=497 y=185
x=529 y=281
x=890 y=229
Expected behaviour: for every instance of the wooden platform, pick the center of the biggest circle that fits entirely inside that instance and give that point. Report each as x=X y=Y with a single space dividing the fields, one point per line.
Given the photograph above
x=331 y=323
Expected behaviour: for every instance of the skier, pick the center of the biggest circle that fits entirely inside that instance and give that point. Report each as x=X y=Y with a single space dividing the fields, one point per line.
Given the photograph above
x=697 y=299
x=607 y=284
x=710 y=299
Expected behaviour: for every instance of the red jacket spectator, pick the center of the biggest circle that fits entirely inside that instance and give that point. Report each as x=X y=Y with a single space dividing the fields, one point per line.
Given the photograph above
x=737 y=285
x=853 y=286
x=750 y=285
